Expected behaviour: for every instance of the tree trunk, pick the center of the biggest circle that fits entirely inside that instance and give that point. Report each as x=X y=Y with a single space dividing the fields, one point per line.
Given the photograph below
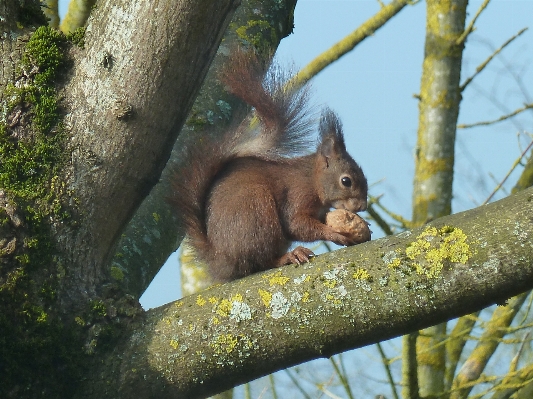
x=440 y=97
x=84 y=135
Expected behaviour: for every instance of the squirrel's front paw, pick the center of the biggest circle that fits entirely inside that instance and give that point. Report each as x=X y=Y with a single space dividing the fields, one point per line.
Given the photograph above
x=298 y=255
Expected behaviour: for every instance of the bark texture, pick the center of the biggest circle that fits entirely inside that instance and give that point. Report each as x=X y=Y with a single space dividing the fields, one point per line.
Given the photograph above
x=440 y=97
x=208 y=342
x=128 y=98
x=84 y=136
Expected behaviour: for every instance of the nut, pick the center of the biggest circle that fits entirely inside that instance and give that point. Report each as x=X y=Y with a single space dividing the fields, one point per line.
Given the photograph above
x=349 y=224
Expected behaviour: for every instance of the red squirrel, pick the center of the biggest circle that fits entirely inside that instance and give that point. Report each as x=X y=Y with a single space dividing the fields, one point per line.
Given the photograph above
x=243 y=197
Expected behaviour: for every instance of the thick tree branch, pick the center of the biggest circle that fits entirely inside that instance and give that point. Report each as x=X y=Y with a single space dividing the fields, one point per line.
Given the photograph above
x=128 y=98
x=77 y=14
x=154 y=232
x=236 y=332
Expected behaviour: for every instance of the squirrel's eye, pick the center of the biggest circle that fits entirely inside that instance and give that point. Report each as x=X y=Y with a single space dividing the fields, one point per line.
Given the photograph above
x=346 y=181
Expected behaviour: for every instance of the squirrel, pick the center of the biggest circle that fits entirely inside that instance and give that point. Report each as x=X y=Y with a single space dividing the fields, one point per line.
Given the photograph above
x=244 y=197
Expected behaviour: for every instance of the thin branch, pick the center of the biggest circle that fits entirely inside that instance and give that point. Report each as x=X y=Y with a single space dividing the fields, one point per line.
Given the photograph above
x=404 y=222
x=342 y=378
x=297 y=384
x=495 y=329
x=273 y=386
x=50 y=10
x=515 y=164
x=489 y=59
x=512 y=382
x=77 y=14
x=410 y=366
x=500 y=119
x=348 y=43
x=455 y=345
x=386 y=363
x=470 y=28
x=514 y=363
x=379 y=220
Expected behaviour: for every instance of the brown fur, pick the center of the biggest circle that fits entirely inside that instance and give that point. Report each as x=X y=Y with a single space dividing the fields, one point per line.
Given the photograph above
x=243 y=201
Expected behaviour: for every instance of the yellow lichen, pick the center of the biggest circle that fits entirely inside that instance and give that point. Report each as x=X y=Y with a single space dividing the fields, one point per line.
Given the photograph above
x=266 y=297
x=277 y=279
x=395 y=263
x=305 y=297
x=174 y=343
x=224 y=308
x=361 y=274
x=330 y=283
x=237 y=297
x=435 y=246
x=224 y=343
x=200 y=301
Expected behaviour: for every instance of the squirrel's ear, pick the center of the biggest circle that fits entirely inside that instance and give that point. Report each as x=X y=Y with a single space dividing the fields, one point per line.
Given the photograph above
x=327 y=148
x=332 y=139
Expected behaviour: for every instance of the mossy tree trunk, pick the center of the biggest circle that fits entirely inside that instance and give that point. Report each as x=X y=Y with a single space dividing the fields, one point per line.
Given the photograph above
x=85 y=133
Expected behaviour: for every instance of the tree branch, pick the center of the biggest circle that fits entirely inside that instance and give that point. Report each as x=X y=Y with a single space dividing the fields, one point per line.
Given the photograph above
x=128 y=98
x=349 y=42
x=154 y=231
x=236 y=332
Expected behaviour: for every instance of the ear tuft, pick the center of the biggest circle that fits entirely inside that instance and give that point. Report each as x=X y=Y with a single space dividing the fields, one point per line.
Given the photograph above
x=331 y=136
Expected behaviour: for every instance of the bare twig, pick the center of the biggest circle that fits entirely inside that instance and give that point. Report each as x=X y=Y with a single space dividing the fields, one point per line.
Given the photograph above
x=379 y=220
x=515 y=164
x=297 y=384
x=404 y=222
x=500 y=119
x=349 y=42
x=470 y=26
x=514 y=363
x=386 y=363
x=489 y=59
x=342 y=377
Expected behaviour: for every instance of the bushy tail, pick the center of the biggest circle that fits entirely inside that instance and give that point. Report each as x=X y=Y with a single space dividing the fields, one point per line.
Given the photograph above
x=279 y=126
x=281 y=123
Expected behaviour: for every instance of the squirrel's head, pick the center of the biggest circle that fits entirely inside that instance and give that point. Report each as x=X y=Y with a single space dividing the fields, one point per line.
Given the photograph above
x=342 y=183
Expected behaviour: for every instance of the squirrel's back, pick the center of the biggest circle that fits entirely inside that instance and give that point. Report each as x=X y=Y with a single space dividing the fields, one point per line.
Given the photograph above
x=280 y=126
x=244 y=197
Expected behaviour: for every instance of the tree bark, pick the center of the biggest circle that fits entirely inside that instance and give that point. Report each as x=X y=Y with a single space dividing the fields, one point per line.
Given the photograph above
x=128 y=97
x=440 y=97
x=118 y=105
x=229 y=334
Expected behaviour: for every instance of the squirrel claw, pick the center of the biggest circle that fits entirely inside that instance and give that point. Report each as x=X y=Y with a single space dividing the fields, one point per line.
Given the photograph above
x=298 y=255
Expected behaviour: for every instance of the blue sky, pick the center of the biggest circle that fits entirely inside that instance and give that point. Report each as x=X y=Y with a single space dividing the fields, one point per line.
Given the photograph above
x=372 y=89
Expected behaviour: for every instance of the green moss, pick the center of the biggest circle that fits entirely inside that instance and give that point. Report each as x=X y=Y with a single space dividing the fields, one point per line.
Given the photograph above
x=117 y=273
x=258 y=33
x=77 y=37
x=98 y=309
x=39 y=351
